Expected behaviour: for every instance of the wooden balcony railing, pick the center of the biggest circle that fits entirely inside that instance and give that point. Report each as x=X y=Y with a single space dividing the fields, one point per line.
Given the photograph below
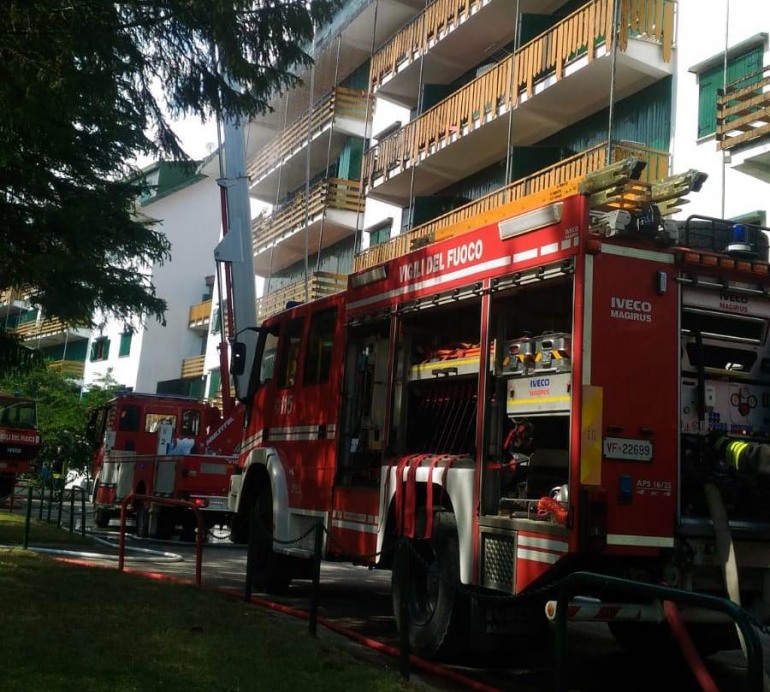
x=192 y=367
x=497 y=90
x=743 y=110
x=68 y=368
x=333 y=193
x=39 y=328
x=11 y=295
x=319 y=284
x=340 y=102
x=651 y=19
x=200 y=314
x=570 y=169
x=414 y=38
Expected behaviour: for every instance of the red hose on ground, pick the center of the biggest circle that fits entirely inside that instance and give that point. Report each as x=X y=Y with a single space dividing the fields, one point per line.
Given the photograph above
x=695 y=662
x=419 y=663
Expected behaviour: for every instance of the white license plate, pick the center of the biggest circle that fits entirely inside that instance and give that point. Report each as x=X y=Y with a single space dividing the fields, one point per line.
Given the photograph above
x=627 y=449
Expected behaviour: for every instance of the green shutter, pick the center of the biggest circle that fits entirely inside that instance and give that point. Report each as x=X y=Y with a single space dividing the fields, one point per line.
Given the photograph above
x=714 y=79
x=708 y=83
x=106 y=351
x=214 y=384
x=125 y=344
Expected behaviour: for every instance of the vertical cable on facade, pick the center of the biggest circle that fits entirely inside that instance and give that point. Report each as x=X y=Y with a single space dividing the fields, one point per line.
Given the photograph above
x=358 y=241
x=724 y=90
x=328 y=158
x=277 y=198
x=420 y=103
x=511 y=100
x=613 y=69
x=307 y=166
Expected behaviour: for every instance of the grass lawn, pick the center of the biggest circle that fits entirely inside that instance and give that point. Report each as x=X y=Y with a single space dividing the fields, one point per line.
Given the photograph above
x=64 y=627
x=40 y=532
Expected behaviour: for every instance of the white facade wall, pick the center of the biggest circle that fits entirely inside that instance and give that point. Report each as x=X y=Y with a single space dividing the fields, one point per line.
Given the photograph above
x=705 y=27
x=191 y=220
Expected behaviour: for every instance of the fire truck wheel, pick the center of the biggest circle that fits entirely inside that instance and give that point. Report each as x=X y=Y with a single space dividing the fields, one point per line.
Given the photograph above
x=239 y=529
x=102 y=518
x=142 y=512
x=166 y=523
x=430 y=580
x=271 y=570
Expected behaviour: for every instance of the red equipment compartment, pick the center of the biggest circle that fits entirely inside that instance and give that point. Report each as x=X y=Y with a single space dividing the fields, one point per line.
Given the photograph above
x=634 y=358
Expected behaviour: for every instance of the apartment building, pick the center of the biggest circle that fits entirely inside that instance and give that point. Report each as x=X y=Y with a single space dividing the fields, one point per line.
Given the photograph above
x=721 y=106
x=417 y=115
x=144 y=355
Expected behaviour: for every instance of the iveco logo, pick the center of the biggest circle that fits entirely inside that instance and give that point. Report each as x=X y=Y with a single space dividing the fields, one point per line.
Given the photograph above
x=540 y=382
x=733 y=297
x=630 y=309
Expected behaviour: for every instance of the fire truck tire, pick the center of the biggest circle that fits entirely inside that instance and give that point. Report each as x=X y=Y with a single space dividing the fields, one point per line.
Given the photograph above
x=142 y=513
x=271 y=570
x=239 y=529
x=430 y=581
x=166 y=523
x=102 y=518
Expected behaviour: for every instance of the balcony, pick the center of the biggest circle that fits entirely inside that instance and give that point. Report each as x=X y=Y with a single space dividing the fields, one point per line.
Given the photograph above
x=200 y=314
x=282 y=164
x=49 y=332
x=492 y=207
x=553 y=81
x=743 y=124
x=445 y=41
x=329 y=214
x=319 y=284
x=12 y=302
x=72 y=369
x=192 y=367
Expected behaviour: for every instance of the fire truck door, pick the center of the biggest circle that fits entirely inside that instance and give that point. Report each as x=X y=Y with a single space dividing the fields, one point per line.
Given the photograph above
x=632 y=353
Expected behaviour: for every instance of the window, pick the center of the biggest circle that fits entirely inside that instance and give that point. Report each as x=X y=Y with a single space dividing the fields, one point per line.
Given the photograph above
x=267 y=369
x=712 y=79
x=100 y=349
x=125 y=344
x=380 y=232
x=289 y=357
x=214 y=382
x=319 y=347
x=152 y=421
x=191 y=422
x=129 y=418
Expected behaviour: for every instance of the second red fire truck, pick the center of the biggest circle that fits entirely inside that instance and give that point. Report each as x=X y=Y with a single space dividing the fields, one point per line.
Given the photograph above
x=19 y=439
x=167 y=447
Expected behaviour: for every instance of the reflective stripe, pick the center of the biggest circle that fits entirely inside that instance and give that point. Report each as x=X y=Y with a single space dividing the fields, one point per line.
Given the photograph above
x=640 y=541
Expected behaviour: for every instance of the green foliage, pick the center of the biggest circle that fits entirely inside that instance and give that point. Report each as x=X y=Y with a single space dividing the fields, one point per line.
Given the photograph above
x=15 y=356
x=76 y=84
x=61 y=409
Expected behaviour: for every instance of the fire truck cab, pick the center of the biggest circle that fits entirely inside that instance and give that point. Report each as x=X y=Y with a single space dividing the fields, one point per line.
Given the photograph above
x=19 y=439
x=156 y=445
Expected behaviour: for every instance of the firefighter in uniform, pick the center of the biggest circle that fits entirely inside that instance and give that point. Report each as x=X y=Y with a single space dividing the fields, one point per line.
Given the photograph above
x=58 y=470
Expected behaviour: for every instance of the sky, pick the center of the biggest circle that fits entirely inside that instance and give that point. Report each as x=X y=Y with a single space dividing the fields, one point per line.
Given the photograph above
x=198 y=139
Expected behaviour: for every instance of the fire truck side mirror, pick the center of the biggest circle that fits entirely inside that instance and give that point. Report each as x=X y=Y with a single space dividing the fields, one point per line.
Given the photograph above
x=238 y=358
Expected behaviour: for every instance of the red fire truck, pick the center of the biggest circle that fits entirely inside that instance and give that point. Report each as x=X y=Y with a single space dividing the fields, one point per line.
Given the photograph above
x=19 y=439
x=164 y=446
x=580 y=383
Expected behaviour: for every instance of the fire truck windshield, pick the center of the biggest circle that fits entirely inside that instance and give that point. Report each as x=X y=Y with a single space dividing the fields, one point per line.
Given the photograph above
x=15 y=413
